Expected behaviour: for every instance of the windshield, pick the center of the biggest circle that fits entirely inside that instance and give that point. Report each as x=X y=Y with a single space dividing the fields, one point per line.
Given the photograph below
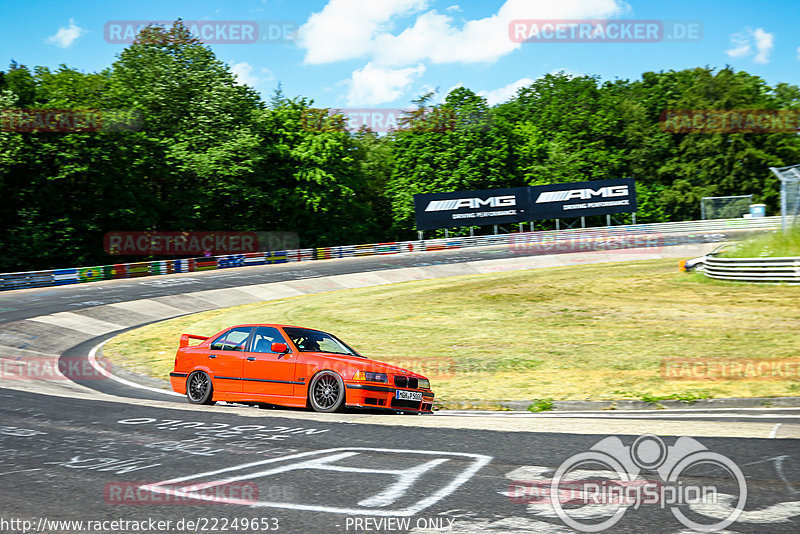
x=316 y=341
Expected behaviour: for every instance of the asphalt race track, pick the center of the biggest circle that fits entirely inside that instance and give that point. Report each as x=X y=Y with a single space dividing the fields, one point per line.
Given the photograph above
x=125 y=459
x=20 y=304
x=82 y=460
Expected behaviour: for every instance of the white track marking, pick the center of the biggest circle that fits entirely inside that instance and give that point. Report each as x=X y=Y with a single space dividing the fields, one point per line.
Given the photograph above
x=647 y=414
x=507 y=525
x=777 y=513
x=650 y=410
x=774 y=433
x=108 y=374
x=393 y=492
x=396 y=490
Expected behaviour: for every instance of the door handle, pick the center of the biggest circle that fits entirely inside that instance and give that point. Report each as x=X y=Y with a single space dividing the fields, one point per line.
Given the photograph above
x=251 y=359
x=212 y=356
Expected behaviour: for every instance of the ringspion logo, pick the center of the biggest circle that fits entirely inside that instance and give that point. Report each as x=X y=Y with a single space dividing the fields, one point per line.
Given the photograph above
x=591 y=491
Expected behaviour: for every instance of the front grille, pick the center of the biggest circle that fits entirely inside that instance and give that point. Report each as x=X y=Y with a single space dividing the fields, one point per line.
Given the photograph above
x=402 y=403
x=406 y=382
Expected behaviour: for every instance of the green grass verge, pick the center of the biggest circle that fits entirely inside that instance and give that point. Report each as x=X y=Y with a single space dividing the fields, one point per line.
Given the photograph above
x=590 y=332
x=771 y=245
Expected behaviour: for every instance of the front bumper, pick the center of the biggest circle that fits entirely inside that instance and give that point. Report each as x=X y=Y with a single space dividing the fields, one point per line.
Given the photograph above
x=360 y=395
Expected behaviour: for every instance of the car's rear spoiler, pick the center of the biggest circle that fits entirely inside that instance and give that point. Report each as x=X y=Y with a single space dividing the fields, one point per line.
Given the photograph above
x=186 y=337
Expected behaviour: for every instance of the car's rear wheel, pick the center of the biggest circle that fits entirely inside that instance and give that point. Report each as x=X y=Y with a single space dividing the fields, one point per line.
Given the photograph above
x=326 y=392
x=199 y=389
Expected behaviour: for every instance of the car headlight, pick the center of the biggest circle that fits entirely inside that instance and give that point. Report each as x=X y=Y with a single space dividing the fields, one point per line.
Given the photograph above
x=370 y=377
x=424 y=383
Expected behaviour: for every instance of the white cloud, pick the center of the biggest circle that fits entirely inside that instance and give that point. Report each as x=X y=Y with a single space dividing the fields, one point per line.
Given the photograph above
x=349 y=29
x=743 y=43
x=344 y=29
x=500 y=95
x=798 y=53
x=355 y=29
x=372 y=85
x=435 y=38
x=764 y=43
x=245 y=74
x=65 y=36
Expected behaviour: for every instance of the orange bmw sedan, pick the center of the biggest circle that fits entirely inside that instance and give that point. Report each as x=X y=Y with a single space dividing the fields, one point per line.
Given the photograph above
x=292 y=366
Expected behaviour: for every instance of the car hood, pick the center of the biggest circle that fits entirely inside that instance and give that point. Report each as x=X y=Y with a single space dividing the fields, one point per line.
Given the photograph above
x=364 y=364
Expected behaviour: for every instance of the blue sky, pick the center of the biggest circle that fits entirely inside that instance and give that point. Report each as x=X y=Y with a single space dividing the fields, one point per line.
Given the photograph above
x=384 y=53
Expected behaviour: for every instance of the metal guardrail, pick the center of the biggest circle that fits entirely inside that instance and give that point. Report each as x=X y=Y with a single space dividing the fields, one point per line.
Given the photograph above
x=775 y=270
x=544 y=242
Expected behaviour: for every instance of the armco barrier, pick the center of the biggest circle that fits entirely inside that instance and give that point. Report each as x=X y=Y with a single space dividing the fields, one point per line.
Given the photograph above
x=629 y=236
x=26 y=279
x=775 y=270
x=142 y=268
x=65 y=276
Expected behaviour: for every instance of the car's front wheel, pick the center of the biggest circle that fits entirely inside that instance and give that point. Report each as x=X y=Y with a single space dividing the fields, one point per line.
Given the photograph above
x=326 y=392
x=199 y=389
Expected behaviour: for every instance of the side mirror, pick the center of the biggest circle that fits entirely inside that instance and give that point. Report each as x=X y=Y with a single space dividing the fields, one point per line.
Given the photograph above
x=279 y=347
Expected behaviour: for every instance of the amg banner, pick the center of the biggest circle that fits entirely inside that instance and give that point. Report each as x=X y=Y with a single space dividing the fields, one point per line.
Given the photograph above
x=580 y=199
x=471 y=208
x=520 y=204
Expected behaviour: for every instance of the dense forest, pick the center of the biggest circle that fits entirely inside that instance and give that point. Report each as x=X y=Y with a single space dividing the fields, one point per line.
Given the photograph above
x=212 y=155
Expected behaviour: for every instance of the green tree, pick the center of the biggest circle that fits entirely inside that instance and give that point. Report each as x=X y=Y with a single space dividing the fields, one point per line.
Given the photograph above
x=454 y=146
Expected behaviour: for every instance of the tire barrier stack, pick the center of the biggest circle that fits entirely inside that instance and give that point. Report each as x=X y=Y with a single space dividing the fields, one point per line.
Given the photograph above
x=774 y=270
x=545 y=242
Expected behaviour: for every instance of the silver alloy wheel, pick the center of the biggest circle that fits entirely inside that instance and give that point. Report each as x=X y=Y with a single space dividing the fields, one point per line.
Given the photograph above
x=199 y=388
x=326 y=392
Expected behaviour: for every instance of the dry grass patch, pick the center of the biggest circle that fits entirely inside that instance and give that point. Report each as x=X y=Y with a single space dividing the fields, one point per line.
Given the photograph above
x=580 y=332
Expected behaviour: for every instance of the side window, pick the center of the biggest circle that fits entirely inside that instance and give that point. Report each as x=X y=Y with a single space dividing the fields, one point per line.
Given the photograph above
x=217 y=343
x=329 y=345
x=235 y=339
x=264 y=337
